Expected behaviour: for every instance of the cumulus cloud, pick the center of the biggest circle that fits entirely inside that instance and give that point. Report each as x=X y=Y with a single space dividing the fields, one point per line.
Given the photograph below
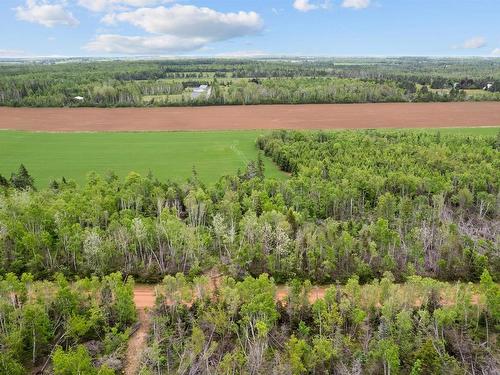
x=178 y=28
x=46 y=13
x=143 y=45
x=356 y=4
x=304 y=5
x=307 y=5
x=474 y=43
x=496 y=52
x=107 y=5
x=190 y=21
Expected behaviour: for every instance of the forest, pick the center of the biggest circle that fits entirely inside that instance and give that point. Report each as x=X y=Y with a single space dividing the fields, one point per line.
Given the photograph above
x=401 y=226
x=119 y=83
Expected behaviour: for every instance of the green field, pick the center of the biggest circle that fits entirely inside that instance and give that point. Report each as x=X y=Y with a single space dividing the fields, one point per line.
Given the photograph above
x=167 y=154
x=477 y=131
x=487 y=131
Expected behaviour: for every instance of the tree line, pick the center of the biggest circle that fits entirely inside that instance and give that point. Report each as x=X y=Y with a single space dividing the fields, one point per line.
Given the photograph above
x=55 y=83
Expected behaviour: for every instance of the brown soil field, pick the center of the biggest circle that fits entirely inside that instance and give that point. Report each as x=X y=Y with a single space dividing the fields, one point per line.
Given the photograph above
x=310 y=116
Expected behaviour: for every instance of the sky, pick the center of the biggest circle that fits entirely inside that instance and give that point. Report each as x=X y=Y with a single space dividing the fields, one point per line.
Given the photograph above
x=249 y=28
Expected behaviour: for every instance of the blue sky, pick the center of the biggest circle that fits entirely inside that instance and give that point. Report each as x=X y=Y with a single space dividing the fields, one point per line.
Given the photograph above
x=249 y=28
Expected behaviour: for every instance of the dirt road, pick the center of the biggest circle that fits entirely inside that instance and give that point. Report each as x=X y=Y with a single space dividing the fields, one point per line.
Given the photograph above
x=144 y=298
x=309 y=116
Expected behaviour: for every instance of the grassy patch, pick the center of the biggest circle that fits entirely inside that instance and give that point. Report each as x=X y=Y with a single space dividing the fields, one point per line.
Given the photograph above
x=484 y=131
x=167 y=154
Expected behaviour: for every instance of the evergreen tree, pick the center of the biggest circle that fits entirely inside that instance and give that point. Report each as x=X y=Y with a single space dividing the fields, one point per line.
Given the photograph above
x=22 y=179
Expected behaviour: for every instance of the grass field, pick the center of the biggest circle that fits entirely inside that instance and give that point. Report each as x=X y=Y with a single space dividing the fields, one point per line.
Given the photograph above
x=168 y=155
x=478 y=131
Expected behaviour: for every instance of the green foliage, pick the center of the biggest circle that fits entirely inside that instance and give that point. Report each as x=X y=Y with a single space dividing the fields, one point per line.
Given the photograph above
x=36 y=316
x=491 y=291
x=231 y=331
x=298 y=351
x=170 y=82
x=257 y=296
x=22 y=179
x=427 y=361
x=73 y=361
x=9 y=366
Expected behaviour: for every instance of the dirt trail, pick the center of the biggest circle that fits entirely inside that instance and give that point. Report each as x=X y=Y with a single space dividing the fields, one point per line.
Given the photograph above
x=301 y=116
x=144 y=298
x=317 y=292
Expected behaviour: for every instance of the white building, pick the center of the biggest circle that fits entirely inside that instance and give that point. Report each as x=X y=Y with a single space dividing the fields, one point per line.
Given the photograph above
x=202 y=89
x=488 y=86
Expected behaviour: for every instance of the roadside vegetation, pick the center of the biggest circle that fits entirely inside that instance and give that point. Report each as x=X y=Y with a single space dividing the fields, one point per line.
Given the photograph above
x=59 y=83
x=380 y=328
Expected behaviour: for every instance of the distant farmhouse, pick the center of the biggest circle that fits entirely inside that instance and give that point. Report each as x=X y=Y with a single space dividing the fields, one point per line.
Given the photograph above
x=201 y=90
x=488 y=87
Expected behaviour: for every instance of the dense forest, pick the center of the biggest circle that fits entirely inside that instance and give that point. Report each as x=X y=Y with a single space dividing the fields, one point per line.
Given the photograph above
x=56 y=83
x=361 y=211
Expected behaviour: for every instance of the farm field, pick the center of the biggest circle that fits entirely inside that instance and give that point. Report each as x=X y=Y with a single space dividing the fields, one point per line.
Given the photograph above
x=167 y=155
x=312 y=116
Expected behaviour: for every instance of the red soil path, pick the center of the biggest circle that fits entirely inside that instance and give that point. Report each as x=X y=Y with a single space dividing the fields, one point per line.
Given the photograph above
x=144 y=298
x=310 y=116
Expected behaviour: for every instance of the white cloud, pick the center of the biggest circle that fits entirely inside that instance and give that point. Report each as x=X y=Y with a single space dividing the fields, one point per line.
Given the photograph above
x=107 y=5
x=178 y=28
x=473 y=43
x=190 y=21
x=496 y=52
x=143 y=45
x=356 y=4
x=304 y=5
x=46 y=13
x=307 y=5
